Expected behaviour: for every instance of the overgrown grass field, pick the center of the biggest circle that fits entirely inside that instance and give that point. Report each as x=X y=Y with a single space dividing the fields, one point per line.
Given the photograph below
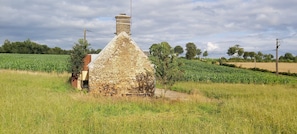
x=44 y=103
x=282 y=67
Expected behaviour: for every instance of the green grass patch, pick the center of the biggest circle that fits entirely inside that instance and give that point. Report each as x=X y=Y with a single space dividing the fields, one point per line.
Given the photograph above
x=249 y=108
x=45 y=103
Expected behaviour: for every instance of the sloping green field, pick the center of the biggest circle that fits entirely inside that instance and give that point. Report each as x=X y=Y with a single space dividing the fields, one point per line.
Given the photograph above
x=194 y=70
x=45 y=103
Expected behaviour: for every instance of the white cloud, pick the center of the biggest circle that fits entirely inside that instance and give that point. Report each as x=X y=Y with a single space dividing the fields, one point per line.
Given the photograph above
x=211 y=46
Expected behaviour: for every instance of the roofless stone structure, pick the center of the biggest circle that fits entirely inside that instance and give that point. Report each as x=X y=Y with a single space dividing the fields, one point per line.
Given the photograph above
x=121 y=68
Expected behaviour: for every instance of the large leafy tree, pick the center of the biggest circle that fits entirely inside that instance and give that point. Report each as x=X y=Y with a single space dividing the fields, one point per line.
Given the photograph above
x=166 y=64
x=199 y=52
x=178 y=50
x=259 y=56
x=205 y=53
x=240 y=52
x=154 y=49
x=77 y=54
x=267 y=57
x=289 y=56
x=245 y=55
x=191 y=50
x=6 y=46
x=252 y=54
x=231 y=51
x=235 y=50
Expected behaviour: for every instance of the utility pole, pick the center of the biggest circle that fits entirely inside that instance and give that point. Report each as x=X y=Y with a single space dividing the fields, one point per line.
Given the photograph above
x=255 y=62
x=85 y=35
x=276 y=56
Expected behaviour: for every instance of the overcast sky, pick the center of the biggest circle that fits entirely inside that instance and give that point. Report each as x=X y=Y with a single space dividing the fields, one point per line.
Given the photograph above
x=213 y=25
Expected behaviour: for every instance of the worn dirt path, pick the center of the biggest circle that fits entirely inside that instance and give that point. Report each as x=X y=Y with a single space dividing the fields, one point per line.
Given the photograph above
x=172 y=95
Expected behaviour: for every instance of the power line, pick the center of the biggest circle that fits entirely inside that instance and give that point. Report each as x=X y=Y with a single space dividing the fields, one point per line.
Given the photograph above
x=130 y=16
x=131 y=8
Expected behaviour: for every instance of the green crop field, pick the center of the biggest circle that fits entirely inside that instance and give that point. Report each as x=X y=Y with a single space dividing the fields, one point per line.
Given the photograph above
x=202 y=72
x=34 y=102
x=196 y=71
x=34 y=62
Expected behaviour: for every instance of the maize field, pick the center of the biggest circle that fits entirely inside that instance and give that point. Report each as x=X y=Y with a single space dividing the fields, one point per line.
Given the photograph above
x=205 y=72
x=195 y=71
x=34 y=62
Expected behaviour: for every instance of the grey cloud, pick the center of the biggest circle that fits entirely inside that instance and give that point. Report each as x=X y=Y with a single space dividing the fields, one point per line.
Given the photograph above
x=252 y=24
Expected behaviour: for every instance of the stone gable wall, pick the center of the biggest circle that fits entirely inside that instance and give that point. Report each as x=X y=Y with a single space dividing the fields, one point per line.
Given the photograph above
x=117 y=68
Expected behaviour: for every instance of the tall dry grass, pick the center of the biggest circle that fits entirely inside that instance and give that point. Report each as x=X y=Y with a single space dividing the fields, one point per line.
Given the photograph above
x=45 y=103
x=282 y=67
x=251 y=108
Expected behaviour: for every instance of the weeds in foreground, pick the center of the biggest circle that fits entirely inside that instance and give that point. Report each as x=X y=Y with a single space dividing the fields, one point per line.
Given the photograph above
x=32 y=103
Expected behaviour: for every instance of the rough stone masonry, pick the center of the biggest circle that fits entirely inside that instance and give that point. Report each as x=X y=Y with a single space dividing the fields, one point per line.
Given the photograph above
x=121 y=68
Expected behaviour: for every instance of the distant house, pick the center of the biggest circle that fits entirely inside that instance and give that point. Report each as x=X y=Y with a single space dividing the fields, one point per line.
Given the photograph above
x=121 y=68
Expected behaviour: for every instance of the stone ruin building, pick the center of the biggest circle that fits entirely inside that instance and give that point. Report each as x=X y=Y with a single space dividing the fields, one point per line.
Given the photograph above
x=121 y=68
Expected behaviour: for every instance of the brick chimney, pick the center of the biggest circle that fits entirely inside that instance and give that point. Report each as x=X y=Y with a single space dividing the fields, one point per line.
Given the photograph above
x=123 y=24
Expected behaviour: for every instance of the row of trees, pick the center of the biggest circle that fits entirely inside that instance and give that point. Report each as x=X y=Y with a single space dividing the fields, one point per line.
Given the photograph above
x=192 y=51
x=30 y=47
x=238 y=53
x=288 y=57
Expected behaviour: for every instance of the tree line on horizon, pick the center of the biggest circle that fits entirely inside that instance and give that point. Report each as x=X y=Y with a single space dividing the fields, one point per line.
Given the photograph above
x=30 y=47
x=235 y=52
x=192 y=51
